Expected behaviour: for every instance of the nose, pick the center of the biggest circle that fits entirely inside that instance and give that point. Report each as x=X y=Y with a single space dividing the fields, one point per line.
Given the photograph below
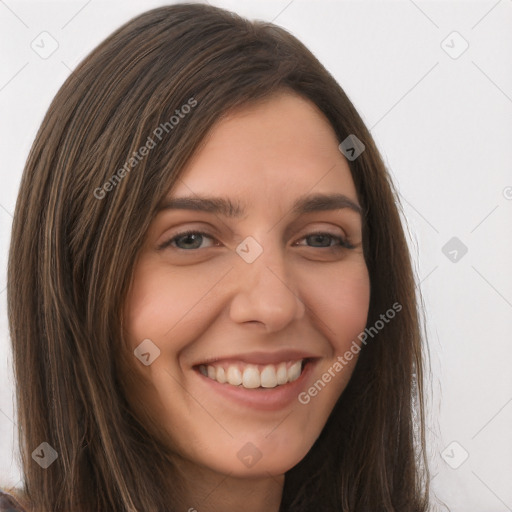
x=265 y=290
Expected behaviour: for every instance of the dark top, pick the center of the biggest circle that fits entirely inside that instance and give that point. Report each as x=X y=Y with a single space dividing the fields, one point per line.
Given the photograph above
x=8 y=503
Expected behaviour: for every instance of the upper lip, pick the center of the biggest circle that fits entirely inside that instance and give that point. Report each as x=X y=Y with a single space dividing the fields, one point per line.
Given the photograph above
x=262 y=357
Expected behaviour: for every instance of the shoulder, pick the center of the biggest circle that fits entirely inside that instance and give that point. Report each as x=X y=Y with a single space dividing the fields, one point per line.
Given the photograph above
x=8 y=503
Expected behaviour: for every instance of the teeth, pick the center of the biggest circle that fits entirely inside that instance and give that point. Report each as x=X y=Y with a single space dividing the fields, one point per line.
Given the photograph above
x=282 y=374
x=221 y=375
x=234 y=376
x=251 y=376
x=268 y=377
x=294 y=371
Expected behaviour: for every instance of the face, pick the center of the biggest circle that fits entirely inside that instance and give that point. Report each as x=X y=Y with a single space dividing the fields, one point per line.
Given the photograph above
x=249 y=302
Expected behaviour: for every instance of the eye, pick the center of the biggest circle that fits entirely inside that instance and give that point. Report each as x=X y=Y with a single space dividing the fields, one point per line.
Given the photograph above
x=324 y=240
x=190 y=240
x=187 y=240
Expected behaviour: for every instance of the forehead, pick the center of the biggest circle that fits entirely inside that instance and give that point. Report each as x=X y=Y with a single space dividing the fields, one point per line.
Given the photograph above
x=278 y=147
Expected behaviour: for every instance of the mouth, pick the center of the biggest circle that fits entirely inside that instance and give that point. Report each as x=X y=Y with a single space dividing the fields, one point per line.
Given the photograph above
x=254 y=376
x=258 y=384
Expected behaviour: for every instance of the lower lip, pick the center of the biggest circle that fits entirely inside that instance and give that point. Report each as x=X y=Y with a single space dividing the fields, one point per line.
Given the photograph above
x=265 y=399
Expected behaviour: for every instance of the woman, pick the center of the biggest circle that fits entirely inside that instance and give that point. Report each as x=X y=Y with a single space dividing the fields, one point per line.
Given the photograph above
x=186 y=334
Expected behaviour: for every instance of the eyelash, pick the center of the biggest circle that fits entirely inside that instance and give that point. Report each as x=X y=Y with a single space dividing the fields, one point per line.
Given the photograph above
x=342 y=241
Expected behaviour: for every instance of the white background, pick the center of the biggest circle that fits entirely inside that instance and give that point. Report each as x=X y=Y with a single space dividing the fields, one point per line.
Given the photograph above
x=444 y=128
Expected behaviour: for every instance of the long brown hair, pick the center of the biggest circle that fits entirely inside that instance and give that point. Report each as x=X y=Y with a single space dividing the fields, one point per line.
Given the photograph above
x=80 y=222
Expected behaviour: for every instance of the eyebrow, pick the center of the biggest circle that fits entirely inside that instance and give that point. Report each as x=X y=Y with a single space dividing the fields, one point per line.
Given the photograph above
x=226 y=207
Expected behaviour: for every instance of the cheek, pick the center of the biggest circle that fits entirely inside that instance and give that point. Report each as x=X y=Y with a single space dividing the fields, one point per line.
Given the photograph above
x=339 y=298
x=168 y=304
x=170 y=307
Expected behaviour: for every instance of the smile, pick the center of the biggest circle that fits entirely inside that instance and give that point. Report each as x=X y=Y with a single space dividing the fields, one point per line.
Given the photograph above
x=252 y=376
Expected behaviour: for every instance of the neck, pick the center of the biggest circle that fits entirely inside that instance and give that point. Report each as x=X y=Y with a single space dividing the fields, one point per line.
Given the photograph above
x=204 y=490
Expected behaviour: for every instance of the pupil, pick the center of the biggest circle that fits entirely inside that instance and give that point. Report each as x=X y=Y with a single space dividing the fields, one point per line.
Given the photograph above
x=318 y=238
x=189 y=239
